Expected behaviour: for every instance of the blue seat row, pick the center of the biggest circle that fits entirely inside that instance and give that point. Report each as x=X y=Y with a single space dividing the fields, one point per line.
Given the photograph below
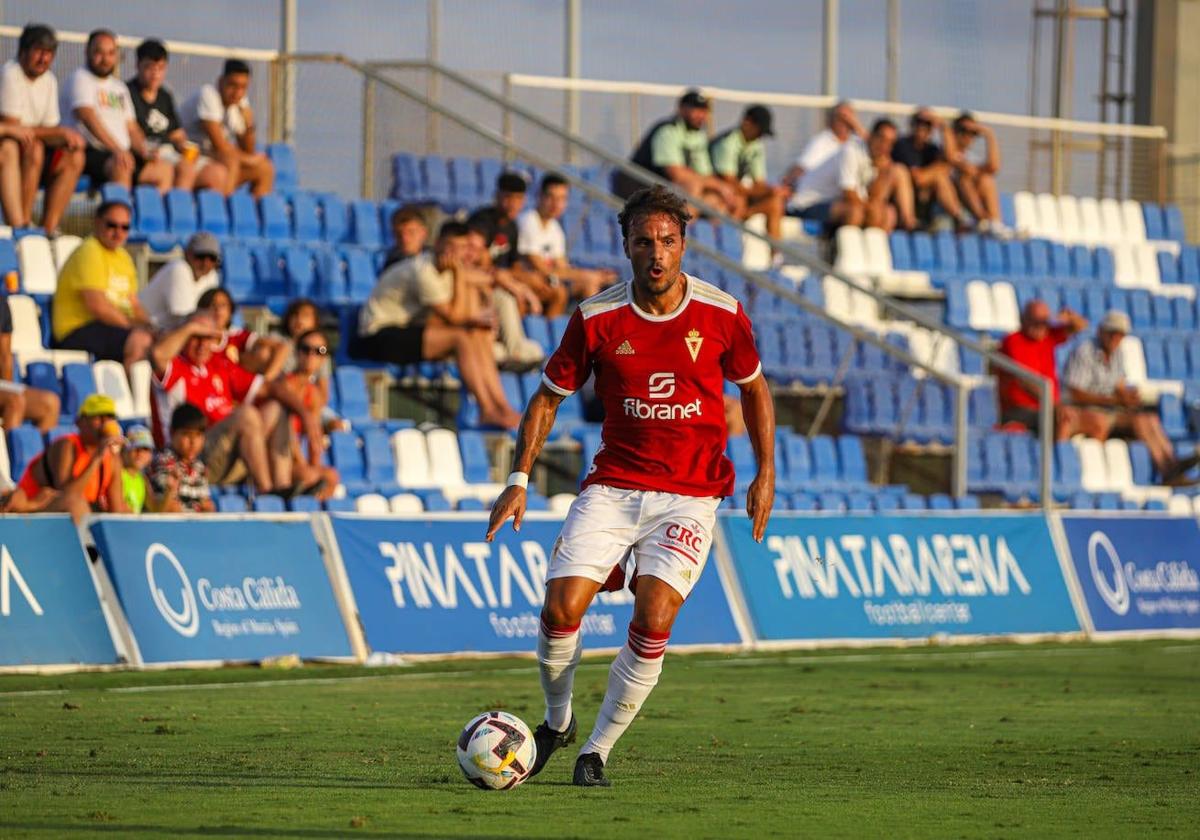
x=1146 y=310
x=945 y=255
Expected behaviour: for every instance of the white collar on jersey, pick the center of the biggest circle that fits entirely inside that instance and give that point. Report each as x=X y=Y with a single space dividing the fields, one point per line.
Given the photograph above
x=649 y=316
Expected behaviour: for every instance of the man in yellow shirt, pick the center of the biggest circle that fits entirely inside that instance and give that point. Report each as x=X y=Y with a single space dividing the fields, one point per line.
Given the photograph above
x=96 y=306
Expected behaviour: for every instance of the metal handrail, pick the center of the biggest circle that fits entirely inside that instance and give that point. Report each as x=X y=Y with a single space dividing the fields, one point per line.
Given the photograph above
x=760 y=279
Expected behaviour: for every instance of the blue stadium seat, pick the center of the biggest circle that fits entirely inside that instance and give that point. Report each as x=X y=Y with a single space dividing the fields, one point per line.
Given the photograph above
x=1082 y=263
x=243 y=215
x=1173 y=223
x=473 y=452
x=1140 y=309
x=824 y=460
x=435 y=501
x=913 y=501
x=946 y=254
x=231 y=503
x=967 y=501
x=859 y=502
x=331 y=279
x=970 y=253
x=981 y=407
x=798 y=458
x=306 y=219
x=273 y=210
x=268 y=271
x=387 y=209
x=1141 y=464
x=940 y=501
x=342 y=505
x=380 y=465
x=1156 y=365
x=24 y=444
x=181 y=214
x=287 y=175
x=1175 y=353
x=1017 y=258
x=269 y=503
x=853 y=461
x=299 y=272
x=1174 y=421
x=406 y=179
x=150 y=218
x=360 y=275
x=1185 y=317
x=117 y=192
x=922 y=251
x=464 y=172
x=1038 y=252
x=887 y=503
x=1106 y=267
x=489 y=171
x=1060 y=261
x=353 y=398
x=237 y=271
x=213 y=213
x=829 y=500
x=1068 y=469
x=59 y=431
x=1163 y=311
x=1168 y=268
x=346 y=455
x=994 y=264
x=435 y=181
x=804 y=502
x=470 y=504
x=78 y=384
x=1152 y=214
x=335 y=221
x=364 y=224
x=304 y=504
x=43 y=375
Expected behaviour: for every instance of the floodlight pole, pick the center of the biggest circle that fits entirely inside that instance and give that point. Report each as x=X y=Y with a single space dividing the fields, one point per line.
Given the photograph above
x=830 y=49
x=573 y=43
x=287 y=45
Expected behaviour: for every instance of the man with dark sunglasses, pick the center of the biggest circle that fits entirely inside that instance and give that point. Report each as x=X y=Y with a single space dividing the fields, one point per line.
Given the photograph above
x=174 y=291
x=930 y=169
x=975 y=169
x=96 y=307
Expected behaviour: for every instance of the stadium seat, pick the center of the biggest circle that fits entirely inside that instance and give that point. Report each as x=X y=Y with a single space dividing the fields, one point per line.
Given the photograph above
x=63 y=246
x=346 y=455
x=343 y=505
x=287 y=175
x=306 y=220
x=231 y=503
x=181 y=214
x=364 y=224
x=269 y=503
x=360 y=275
x=353 y=399
x=243 y=216
x=27 y=326
x=380 y=466
x=24 y=444
x=372 y=503
x=304 y=504
x=411 y=455
x=299 y=272
x=212 y=213
x=272 y=209
x=78 y=383
x=36 y=265
x=110 y=379
x=335 y=221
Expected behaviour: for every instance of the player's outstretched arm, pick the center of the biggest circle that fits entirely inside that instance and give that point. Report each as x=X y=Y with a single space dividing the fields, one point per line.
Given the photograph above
x=531 y=437
x=759 y=411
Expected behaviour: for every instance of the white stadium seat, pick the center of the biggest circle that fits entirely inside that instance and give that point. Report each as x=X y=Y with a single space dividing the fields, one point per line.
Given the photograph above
x=139 y=386
x=27 y=326
x=1119 y=467
x=371 y=503
x=1070 y=225
x=445 y=461
x=412 y=458
x=1180 y=504
x=851 y=252
x=1091 y=229
x=36 y=262
x=404 y=503
x=877 y=251
x=837 y=298
x=979 y=306
x=1025 y=208
x=1132 y=221
x=1006 y=312
x=111 y=381
x=864 y=310
x=1094 y=473
x=1047 y=213
x=65 y=245
x=6 y=480
x=1133 y=359
x=1111 y=222
x=1125 y=267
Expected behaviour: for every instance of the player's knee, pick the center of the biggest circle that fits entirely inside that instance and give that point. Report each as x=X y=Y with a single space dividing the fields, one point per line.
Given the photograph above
x=557 y=614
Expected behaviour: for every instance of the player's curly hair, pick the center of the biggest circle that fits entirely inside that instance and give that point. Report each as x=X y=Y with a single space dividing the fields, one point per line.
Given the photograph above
x=651 y=200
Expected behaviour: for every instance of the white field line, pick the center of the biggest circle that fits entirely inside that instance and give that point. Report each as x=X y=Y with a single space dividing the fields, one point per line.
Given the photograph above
x=741 y=661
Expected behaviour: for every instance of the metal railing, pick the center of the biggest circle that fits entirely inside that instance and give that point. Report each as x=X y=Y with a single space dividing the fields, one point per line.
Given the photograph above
x=504 y=135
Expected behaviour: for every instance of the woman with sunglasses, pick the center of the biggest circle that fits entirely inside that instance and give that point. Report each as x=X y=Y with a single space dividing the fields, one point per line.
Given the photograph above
x=309 y=382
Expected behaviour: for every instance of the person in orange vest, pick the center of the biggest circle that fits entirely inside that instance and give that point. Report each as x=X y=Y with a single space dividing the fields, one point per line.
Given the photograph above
x=79 y=473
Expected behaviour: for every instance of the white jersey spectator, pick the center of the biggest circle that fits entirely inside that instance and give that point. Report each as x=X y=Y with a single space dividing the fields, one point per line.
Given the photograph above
x=112 y=103
x=539 y=236
x=205 y=105
x=31 y=102
x=174 y=291
x=822 y=162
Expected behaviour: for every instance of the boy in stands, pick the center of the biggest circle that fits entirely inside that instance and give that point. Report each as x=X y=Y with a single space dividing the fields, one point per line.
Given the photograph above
x=177 y=474
x=662 y=346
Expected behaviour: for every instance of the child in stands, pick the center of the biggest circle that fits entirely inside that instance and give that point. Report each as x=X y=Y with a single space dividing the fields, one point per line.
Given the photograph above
x=177 y=472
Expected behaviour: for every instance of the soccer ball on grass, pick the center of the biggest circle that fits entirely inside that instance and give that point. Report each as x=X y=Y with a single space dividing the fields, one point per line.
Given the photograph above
x=496 y=751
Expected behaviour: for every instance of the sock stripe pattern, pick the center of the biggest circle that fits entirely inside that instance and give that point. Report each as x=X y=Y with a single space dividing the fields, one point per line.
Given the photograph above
x=558 y=631
x=558 y=650
x=647 y=643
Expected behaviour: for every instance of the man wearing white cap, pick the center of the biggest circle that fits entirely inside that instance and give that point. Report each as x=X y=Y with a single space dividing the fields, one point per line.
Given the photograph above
x=1096 y=382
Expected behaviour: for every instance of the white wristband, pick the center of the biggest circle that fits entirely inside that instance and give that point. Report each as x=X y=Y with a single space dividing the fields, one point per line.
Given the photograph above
x=518 y=479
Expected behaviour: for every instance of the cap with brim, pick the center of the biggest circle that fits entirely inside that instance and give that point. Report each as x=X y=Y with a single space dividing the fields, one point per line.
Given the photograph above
x=1116 y=321
x=694 y=99
x=98 y=405
x=760 y=115
x=204 y=245
x=139 y=437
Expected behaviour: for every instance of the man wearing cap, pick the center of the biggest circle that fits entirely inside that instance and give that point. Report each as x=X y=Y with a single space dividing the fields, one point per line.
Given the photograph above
x=975 y=172
x=135 y=488
x=78 y=473
x=96 y=308
x=739 y=157
x=677 y=149
x=1032 y=347
x=35 y=150
x=1097 y=383
x=174 y=291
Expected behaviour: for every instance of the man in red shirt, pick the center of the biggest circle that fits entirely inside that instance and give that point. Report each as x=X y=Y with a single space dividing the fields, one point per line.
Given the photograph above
x=1032 y=347
x=661 y=347
x=248 y=428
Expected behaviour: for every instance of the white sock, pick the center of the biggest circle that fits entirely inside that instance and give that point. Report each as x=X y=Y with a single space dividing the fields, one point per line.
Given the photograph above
x=633 y=675
x=558 y=652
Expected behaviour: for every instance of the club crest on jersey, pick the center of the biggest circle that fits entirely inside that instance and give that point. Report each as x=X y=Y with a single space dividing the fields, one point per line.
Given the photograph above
x=693 y=340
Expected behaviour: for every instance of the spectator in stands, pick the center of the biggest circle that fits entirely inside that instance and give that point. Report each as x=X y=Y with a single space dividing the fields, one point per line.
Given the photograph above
x=154 y=106
x=311 y=386
x=219 y=118
x=1097 y=384
x=816 y=190
x=96 y=307
x=542 y=243
x=18 y=402
x=35 y=150
x=261 y=354
x=424 y=308
x=174 y=291
x=99 y=106
x=411 y=232
x=1032 y=347
x=79 y=473
x=677 y=149
x=876 y=191
x=975 y=174
x=930 y=170
x=135 y=458
x=177 y=473
x=248 y=428
x=497 y=290
x=739 y=156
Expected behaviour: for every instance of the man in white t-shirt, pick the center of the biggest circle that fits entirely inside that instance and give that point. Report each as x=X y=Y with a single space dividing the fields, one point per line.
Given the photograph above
x=99 y=105
x=172 y=294
x=542 y=244
x=876 y=190
x=220 y=119
x=34 y=149
x=815 y=176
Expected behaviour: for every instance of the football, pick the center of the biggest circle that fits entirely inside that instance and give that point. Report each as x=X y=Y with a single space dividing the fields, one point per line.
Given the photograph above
x=496 y=751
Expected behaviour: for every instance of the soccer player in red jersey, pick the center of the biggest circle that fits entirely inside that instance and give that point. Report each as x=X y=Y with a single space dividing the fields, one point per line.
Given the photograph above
x=660 y=347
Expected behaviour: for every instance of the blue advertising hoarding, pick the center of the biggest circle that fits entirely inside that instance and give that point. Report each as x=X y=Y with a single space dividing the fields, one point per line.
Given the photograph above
x=1137 y=572
x=49 y=610
x=436 y=586
x=214 y=588
x=880 y=577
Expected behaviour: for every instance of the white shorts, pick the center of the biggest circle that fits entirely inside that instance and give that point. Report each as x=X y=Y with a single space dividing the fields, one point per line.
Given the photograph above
x=662 y=535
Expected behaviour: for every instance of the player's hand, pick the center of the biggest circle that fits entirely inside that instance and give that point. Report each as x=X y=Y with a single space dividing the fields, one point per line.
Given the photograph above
x=509 y=503
x=759 y=501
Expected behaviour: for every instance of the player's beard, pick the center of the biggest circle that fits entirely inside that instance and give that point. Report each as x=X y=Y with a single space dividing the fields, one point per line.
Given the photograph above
x=653 y=286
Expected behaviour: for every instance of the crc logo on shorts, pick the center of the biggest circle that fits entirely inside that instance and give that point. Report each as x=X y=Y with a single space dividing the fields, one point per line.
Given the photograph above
x=163 y=567
x=685 y=537
x=662 y=386
x=1103 y=560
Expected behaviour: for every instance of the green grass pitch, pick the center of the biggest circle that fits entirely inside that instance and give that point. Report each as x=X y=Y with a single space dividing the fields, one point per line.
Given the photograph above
x=1073 y=740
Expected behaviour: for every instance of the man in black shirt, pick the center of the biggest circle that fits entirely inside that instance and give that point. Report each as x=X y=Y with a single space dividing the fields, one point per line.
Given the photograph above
x=154 y=107
x=929 y=167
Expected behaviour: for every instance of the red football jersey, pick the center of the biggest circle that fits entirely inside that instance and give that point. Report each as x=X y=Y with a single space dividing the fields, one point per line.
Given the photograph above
x=661 y=380
x=215 y=388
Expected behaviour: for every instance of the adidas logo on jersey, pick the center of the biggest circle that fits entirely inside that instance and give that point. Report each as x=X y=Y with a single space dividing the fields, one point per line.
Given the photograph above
x=626 y=349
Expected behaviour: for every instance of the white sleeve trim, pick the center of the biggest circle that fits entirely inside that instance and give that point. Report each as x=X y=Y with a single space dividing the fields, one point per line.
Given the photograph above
x=562 y=392
x=255 y=387
x=749 y=378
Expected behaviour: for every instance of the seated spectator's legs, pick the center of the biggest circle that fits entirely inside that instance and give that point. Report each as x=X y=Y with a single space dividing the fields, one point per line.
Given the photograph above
x=240 y=436
x=137 y=347
x=185 y=174
x=58 y=171
x=934 y=182
x=1096 y=423
x=764 y=199
x=554 y=298
x=1066 y=419
x=156 y=173
x=49 y=500
x=33 y=404
x=107 y=341
x=473 y=351
x=104 y=166
x=979 y=195
x=11 y=172
x=1146 y=427
x=879 y=212
x=260 y=173
x=316 y=480
x=903 y=197
x=278 y=429
x=211 y=175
